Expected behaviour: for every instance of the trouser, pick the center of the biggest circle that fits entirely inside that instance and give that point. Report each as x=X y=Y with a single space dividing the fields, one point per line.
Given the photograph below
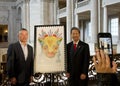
x=77 y=82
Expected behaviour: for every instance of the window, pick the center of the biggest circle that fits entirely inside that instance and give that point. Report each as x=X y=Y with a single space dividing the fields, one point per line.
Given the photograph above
x=89 y=29
x=3 y=33
x=114 y=22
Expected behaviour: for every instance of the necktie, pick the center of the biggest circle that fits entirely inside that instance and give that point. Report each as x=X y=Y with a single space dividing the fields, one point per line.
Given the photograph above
x=75 y=47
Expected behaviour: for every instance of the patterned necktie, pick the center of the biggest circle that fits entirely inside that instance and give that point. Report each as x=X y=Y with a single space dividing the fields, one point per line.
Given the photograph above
x=75 y=47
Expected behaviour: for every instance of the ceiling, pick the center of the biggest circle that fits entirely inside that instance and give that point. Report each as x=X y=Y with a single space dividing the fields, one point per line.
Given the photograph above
x=114 y=9
x=111 y=10
x=84 y=15
x=62 y=3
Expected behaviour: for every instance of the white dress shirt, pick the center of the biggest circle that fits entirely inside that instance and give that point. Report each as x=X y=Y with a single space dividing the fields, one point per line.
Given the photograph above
x=25 y=50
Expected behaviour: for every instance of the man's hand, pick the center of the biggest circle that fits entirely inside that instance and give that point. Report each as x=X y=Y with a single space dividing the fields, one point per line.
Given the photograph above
x=82 y=76
x=31 y=78
x=68 y=75
x=13 y=81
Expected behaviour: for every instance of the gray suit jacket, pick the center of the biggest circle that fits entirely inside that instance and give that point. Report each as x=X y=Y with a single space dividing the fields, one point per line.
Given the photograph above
x=17 y=66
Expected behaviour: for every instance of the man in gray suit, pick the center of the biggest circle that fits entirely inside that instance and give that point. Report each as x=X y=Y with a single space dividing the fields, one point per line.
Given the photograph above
x=20 y=61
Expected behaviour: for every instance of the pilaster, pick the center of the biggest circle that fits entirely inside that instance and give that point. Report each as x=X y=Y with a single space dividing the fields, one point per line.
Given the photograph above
x=105 y=18
x=69 y=19
x=94 y=20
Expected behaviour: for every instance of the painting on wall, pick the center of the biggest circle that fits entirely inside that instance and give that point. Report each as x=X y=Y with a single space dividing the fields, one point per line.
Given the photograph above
x=50 y=51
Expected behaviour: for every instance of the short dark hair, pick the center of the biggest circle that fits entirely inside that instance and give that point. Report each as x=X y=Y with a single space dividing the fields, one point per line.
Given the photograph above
x=75 y=28
x=23 y=29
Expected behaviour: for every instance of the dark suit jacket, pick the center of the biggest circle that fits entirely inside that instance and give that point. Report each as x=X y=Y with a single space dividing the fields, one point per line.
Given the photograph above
x=77 y=61
x=17 y=66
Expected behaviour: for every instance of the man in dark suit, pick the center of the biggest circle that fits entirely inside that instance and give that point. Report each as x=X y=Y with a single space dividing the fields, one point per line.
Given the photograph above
x=77 y=60
x=20 y=61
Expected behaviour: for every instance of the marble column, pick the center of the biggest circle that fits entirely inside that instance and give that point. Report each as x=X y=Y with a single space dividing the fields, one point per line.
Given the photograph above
x=52 y=11
x=27 y=9
x=94 y=20
x=41 y=9
x=105 y=19
x=36 y=16
x=76 y=21
x=12 y=36
x=73 y=11
x=55 y=11
x=69 y=19
x=81 y=30
x=99 y=15
x=27 y=16
x=46 y=12
x=18 y=19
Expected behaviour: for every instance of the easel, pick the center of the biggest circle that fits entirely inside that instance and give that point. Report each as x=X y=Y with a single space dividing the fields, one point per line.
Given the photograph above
x=53 y=79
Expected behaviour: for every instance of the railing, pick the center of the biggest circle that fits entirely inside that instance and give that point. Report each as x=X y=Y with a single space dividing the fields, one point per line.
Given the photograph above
x=62 y=10
x=3 y=51
x=82 y=3
x=3 y=59
x=60 y=79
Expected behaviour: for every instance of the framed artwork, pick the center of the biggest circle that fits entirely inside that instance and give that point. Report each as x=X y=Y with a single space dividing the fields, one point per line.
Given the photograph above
x=50 y=51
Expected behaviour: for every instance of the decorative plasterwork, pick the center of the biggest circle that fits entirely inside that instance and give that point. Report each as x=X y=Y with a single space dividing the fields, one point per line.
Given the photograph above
x=4 y=14
x=3 y=19
x=3 y=8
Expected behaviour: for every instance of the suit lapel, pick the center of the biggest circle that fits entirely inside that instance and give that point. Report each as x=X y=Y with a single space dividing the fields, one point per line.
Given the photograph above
x=28 y=52
x=21 y=51
x=71 y=49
